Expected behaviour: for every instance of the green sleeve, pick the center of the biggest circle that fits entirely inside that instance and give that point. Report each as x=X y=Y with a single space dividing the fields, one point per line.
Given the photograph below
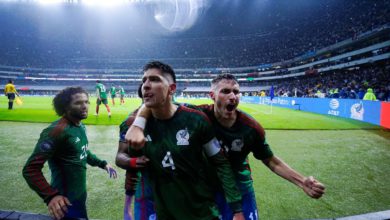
x=32 y=170
x=94 y=161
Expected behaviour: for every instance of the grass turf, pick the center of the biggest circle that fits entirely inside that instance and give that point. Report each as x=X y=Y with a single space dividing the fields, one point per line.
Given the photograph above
x=39 y=109
x=354 y=163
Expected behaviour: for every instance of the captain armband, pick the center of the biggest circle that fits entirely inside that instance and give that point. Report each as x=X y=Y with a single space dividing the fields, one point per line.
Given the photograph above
x=212 y=147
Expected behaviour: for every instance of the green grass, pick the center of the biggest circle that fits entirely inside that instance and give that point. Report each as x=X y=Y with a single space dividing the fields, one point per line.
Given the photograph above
x=351 y=158
x=39 y=109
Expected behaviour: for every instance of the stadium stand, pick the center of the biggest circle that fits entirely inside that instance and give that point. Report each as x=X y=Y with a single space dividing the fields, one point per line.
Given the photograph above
x=280 y=34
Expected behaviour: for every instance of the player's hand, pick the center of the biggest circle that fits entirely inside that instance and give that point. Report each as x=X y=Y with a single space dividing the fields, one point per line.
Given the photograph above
x=135 y=137
x=238 y=216
x=313 y=188
x=110 y=170
x=58 y=206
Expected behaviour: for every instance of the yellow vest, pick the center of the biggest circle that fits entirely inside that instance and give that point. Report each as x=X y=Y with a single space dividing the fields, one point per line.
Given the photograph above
x=9 y=88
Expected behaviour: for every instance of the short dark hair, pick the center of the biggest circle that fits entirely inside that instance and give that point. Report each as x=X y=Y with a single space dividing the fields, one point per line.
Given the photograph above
x=223 y=76
x=165 y=68
x=62 y=100
x=140 y=91
x=97 y=81
x=10 y=81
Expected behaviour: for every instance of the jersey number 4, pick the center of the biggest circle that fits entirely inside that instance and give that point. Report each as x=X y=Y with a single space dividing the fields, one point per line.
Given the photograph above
x=168 y=161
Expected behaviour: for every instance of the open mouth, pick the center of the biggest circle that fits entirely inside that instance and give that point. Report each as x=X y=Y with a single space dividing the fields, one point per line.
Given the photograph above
x=230 y=107
x=147 y=95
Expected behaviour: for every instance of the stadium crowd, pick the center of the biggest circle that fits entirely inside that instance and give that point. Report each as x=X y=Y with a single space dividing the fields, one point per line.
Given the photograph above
x=283 y=34
x=345 y=84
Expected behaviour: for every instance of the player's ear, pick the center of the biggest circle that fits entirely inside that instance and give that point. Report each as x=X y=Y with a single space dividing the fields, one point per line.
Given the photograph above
x=212 y=95
x=172 y=88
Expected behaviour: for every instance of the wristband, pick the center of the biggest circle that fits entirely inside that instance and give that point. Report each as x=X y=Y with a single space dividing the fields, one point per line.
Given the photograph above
x=133 y=162
x=140 y=122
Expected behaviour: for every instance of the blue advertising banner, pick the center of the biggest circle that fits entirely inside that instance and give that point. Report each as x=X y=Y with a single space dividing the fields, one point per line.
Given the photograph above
x=362 y=110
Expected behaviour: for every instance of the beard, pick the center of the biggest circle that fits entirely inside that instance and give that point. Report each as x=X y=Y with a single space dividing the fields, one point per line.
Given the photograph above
x=78 y=115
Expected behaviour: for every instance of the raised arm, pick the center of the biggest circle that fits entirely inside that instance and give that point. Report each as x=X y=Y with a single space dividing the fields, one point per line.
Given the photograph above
x=125 y=158
x=135 y=135
x=309 y=185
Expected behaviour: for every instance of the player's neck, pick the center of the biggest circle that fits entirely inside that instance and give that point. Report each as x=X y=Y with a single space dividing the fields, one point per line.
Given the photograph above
x=225 y=122
x=74 y=120
x=164 y=112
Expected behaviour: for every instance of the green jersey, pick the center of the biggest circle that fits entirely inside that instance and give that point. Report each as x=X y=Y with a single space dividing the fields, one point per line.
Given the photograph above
x=101 y=89
x=65 y=146
x=122 y=91
x=245 y=136
x=179 y=169
x=112 y=90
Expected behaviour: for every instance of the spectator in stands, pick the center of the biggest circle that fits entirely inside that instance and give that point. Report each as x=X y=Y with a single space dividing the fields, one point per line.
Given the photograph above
x=369 y=95
x=361 y=93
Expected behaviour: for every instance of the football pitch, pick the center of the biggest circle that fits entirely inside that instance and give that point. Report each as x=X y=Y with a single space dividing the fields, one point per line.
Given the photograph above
x=350 y=157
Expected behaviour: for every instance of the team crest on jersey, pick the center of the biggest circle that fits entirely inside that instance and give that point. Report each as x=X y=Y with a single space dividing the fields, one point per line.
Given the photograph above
x=237 y=145
x=182 y=137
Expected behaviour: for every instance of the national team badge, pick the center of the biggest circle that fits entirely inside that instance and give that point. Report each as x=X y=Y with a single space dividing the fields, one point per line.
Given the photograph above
x=182 y=137
x=237 y=145
x=46 y=145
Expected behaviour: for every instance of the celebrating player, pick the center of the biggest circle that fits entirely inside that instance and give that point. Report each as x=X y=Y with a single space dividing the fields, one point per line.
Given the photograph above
x=64 y=145
x=178 y=140
x=239 y=134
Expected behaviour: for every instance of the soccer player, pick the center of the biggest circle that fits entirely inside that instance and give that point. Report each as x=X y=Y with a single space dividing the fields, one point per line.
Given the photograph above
x=10 y=92
x=179 y=138
x=64 y=145
x=122 y=95
x=101 y=97
x=113 y=94
x=239 y=135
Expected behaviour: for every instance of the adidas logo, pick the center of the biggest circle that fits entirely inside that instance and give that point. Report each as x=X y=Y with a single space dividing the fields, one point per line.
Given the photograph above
x=77 y=140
